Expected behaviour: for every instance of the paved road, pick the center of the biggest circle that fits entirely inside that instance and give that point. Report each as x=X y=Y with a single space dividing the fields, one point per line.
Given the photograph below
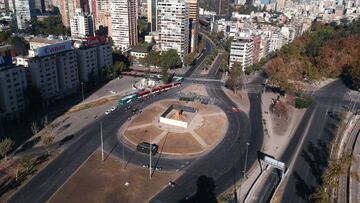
x=355 y=184
x=344 y=188
x=224 y=163
x=43 y=185
x=312 y=160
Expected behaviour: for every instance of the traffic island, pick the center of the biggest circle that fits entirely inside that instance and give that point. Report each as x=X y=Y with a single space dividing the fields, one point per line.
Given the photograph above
x=179 y=128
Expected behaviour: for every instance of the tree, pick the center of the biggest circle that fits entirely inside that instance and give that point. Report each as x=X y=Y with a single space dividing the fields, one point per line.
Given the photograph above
x=280 y=109
x=27 y=162
x=224 y=65
x=47 y=140
x=235 y=77
x=170 y=59
x=189 y=58
x=164 y=74
x=5 y=147
x=202 y=44
x=351 y=75
x=119 y=66
x=151 y=59
x=34 y=127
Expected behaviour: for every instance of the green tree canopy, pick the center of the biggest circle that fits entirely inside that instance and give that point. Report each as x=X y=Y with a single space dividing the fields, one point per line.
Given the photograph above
x=170 y=59
x=235 y=77
x=189 y=58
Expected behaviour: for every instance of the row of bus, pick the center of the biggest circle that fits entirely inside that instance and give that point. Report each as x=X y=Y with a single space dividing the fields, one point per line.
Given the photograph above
x=144 y=93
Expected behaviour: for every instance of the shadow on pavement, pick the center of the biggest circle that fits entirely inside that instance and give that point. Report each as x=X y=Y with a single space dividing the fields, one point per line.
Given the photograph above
x=30 y=144
x=205 y=192
x=302 y=189
x=66 y=139
x=160 y=154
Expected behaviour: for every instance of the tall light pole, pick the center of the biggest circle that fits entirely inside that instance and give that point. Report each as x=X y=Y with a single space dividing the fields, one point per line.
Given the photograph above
x=102 y=142
x=150 y=154
x=246 y=154
x=82 y=90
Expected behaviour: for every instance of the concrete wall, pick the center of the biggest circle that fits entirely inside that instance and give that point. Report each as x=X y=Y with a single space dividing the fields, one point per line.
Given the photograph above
x=173 y=122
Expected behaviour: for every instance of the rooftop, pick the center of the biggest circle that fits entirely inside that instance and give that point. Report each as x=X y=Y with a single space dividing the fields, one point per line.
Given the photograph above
x=141 y=49
x=44 y=40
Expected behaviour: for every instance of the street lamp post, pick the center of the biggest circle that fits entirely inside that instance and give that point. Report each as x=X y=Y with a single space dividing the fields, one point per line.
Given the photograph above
x=247 y=149
x=150 y=151
x=102 y=142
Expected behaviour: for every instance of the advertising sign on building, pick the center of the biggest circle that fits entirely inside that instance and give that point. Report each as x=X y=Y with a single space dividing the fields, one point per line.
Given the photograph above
x=95 y=41
x=5 y=60
x=54 y=48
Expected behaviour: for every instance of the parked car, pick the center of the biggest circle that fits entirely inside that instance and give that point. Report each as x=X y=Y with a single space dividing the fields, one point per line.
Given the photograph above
x=107 y=112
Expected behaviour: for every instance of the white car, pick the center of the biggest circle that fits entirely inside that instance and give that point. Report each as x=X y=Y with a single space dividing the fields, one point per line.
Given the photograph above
x=113 y=92
x=113 y=108
x=107 y=112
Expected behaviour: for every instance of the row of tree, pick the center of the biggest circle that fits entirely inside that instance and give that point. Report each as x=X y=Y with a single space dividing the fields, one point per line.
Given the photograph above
x=166 y=60
x=328 y=51
x=51 y=25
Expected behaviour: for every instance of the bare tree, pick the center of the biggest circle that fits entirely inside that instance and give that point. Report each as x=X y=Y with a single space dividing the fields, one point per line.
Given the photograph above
x=34 y=128
x=27 y=162
x=5 y=146
x=47 y=141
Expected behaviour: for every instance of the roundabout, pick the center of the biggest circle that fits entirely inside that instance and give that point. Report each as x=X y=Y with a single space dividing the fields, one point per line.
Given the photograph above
x=204 y=128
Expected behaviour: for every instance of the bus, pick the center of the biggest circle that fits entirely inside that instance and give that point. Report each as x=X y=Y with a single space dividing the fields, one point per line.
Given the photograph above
x=144 y=147
x=128 y=99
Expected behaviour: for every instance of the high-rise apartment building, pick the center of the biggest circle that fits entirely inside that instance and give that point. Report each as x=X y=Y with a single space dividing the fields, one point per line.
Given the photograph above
x=82 y=25
x=52 y=67
x=173 y=26
x=12 y=85
x=194 y=24
x=152 y=14
x=67 y=10
x=24 y=11
x=103 y=16
x=93 y=55
x=241 y=51
x=124 y=16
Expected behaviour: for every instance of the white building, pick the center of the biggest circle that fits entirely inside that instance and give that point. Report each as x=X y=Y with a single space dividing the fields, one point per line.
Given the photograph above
x=276 y=41
x=12 y=86
x=173 y=25
x=52 y=67
x=24 y=11
x=124 y=16
x=82 y=25
x=241 y=51
x=93 y=54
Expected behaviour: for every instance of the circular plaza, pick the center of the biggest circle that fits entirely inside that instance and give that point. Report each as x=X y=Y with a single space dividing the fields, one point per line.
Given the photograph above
x=179 y=128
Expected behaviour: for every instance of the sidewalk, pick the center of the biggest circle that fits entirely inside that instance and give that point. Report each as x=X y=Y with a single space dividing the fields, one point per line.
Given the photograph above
x=275 y=142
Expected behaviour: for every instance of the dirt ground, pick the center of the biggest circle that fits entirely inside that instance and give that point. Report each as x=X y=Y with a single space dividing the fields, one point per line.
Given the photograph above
x=180 y=143
x=138 y=135
x=105 y=181
x=197 y=89
x=148 y=115
x=211 y=129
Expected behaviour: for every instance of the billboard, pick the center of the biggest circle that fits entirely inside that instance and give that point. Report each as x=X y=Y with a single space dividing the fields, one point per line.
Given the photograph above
x=95 y=41
x=5 y=60
x=275 y=163
x=54 y=48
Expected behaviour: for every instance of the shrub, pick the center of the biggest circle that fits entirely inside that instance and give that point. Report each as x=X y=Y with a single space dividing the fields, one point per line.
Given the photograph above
x=303 y=102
